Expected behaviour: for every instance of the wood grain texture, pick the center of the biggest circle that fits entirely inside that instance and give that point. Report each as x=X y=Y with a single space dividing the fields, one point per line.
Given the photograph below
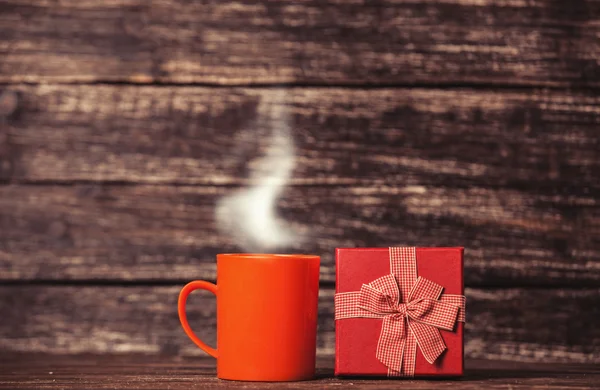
x=539 y=141
x=18 y=371
x=510 y=324
x=390 y=133
x=162 y=233
x=550 y=42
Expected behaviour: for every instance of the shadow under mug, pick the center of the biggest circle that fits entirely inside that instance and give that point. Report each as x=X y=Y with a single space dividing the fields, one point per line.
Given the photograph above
x=266 y=316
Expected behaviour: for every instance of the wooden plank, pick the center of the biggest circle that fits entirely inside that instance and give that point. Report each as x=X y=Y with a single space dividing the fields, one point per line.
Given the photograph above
x=540 y=141
x=508 y=324
x=549 y=42
x=151 y=372
x=156 y=232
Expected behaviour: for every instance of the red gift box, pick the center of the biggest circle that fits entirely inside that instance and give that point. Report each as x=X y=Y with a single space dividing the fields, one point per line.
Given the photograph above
x=359 y=273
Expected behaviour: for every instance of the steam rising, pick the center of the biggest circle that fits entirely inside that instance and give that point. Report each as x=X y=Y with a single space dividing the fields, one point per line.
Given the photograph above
x=249 y=214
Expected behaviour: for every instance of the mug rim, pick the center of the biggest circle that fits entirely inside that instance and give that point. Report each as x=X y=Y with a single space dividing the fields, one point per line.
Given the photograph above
x=268 y=255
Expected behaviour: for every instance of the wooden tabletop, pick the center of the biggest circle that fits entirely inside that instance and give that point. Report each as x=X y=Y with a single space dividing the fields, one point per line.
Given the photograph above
x=153 y=372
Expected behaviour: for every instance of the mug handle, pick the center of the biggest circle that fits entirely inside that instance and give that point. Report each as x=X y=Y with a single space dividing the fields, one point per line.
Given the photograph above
x=183 y=296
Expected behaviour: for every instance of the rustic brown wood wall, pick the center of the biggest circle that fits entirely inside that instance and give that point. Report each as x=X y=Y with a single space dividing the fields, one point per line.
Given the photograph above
x=124 y=124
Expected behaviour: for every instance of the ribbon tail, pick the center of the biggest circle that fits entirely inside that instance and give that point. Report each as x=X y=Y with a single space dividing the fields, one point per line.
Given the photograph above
x=390 y=348
x=409 y=361
x=429 y=339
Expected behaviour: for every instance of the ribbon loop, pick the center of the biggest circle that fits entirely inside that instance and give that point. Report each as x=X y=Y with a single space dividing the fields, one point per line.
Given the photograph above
x=388 y=286
x=434 y=313
x=374 y=301
x=425 y=288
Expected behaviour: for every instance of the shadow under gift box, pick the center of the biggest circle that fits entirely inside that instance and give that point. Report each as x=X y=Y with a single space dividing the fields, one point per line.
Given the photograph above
x=356 y=339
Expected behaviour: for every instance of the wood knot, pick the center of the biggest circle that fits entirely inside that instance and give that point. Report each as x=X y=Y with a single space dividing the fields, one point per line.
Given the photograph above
x=9 y=100
x=57 y=229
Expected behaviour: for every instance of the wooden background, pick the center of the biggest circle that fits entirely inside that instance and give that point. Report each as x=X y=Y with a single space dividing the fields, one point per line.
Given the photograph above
x=131 y=132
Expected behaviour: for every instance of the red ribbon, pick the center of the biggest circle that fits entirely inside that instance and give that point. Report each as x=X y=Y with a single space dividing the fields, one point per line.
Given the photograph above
x=413 y=310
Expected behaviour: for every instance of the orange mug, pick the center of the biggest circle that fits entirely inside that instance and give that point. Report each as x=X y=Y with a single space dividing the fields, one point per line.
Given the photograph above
x=266 y=316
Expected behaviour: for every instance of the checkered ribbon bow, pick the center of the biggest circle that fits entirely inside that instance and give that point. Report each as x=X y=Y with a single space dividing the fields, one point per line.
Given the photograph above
x=413 y=310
